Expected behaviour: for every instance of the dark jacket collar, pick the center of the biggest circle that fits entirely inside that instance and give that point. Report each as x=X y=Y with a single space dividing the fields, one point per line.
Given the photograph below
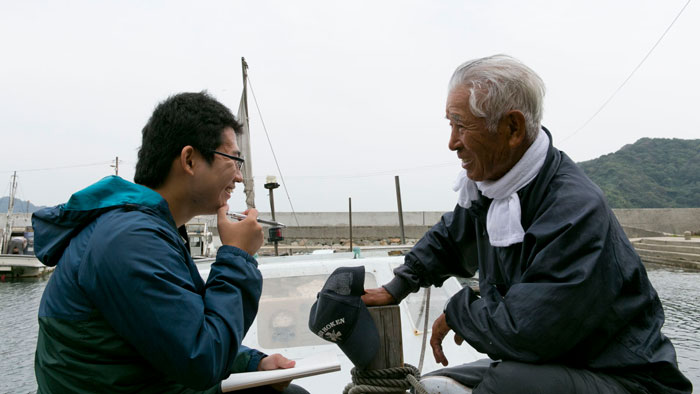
x=530 y=195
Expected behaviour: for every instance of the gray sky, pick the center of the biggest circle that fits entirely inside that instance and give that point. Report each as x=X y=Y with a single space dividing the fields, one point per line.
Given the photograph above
x=351 y=93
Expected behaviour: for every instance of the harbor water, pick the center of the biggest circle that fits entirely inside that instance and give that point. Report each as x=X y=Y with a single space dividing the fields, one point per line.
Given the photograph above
x=19 y=303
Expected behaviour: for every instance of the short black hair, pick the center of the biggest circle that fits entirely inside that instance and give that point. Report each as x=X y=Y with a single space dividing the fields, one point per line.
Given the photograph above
x=194 y=119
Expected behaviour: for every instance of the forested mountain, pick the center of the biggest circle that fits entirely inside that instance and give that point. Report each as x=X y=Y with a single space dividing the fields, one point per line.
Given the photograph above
x=651 y=173
x=20 y=206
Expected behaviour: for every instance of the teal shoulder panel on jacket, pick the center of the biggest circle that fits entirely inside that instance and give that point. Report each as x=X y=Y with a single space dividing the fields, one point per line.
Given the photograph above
x=112 y=191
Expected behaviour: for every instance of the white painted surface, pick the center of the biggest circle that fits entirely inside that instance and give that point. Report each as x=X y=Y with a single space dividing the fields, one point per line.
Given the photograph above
x=282 y=322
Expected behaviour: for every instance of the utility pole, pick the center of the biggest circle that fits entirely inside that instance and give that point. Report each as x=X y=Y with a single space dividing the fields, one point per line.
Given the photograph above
x=116 y=166
x=8 y=223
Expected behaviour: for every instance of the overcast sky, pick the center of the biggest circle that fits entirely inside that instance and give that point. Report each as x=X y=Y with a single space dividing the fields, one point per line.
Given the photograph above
x=352 y=93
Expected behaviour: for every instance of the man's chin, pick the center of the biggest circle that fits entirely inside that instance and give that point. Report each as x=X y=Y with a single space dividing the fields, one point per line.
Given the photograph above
x=475 y=178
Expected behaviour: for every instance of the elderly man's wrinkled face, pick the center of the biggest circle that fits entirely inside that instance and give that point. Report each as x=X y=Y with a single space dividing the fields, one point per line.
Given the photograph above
x=485 y=155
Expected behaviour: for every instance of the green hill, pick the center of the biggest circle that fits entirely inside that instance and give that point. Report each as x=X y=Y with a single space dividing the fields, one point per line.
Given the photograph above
x=20 y=206
x=651 y=173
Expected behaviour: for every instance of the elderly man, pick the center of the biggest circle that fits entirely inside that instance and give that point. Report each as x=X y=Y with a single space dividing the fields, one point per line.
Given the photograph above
x=565 y=305
x=126 y=309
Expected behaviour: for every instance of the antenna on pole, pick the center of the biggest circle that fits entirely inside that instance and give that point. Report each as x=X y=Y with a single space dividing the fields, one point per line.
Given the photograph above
x=244 y=97
x=116 y=166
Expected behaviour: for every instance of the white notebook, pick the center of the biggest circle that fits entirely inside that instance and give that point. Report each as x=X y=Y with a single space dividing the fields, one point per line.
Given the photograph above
x=313 y=365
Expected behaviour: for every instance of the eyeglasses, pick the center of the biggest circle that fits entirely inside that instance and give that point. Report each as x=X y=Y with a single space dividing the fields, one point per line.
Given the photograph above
x=238 y=160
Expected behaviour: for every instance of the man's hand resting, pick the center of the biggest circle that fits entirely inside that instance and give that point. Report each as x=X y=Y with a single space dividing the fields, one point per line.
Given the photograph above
x=440 y=331
x=276 y=361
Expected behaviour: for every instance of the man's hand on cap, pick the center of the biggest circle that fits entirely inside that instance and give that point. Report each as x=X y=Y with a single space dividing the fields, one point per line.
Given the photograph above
x=246 y=234
x=377 y=297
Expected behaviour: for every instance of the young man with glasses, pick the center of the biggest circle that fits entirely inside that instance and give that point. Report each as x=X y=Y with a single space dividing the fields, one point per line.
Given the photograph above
x=125 y=309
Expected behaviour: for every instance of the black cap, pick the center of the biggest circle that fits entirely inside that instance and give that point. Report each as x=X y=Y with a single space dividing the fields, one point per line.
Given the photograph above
x=340 y=316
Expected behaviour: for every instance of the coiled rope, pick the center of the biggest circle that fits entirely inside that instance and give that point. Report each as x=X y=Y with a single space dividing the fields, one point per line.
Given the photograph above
x=389 y=380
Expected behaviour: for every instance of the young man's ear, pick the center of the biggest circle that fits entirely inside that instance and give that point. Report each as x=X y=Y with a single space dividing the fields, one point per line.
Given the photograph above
x=187 y=159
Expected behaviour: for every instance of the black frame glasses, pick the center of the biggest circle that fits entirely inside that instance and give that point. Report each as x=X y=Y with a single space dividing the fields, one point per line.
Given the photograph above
x=239 y=160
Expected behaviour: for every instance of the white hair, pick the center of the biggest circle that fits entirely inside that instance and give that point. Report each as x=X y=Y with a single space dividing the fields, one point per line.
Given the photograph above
x=498 y=84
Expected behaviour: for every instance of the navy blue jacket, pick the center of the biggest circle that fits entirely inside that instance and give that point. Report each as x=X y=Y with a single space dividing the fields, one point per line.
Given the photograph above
x=574 y=292
x=126 y=309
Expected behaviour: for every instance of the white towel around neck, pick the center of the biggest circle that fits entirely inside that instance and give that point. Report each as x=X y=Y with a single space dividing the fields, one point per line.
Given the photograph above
x=503 y=217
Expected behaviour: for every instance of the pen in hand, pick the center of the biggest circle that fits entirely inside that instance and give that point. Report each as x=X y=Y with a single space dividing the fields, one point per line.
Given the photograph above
x=241 y=216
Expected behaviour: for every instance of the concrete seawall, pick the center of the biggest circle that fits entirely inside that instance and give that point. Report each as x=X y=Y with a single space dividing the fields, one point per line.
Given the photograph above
x=333 y=226
x=664 y=220
x=365 y=225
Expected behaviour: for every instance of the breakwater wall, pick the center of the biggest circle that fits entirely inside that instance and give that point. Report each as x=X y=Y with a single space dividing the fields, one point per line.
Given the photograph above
x=661 y=220
x=334 y=226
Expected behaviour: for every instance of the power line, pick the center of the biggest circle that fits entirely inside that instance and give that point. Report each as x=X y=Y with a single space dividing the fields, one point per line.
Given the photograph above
x=376 y=173
x=286 y=191
x=59 y=167
x=629 y=76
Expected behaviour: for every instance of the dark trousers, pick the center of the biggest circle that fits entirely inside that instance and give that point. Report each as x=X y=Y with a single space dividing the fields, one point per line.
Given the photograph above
x=291 y=389
x=493 y=377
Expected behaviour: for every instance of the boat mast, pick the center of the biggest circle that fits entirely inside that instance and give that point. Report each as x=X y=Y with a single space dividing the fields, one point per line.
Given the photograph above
x=243 y=140
x=10 y=207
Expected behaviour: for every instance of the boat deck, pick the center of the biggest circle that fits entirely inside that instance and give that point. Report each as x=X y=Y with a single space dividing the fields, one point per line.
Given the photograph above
x=289 y=289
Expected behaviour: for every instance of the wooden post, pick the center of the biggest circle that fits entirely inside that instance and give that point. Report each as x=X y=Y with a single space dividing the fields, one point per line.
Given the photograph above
x=350 y=219
x=398 y=201
x=388 y=322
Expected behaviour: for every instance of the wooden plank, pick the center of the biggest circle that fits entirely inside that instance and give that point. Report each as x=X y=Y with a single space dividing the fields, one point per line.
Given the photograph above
x=388 y=322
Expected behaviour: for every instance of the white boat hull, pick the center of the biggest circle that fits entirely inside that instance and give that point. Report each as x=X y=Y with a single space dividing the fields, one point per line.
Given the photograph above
x=281 y=325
